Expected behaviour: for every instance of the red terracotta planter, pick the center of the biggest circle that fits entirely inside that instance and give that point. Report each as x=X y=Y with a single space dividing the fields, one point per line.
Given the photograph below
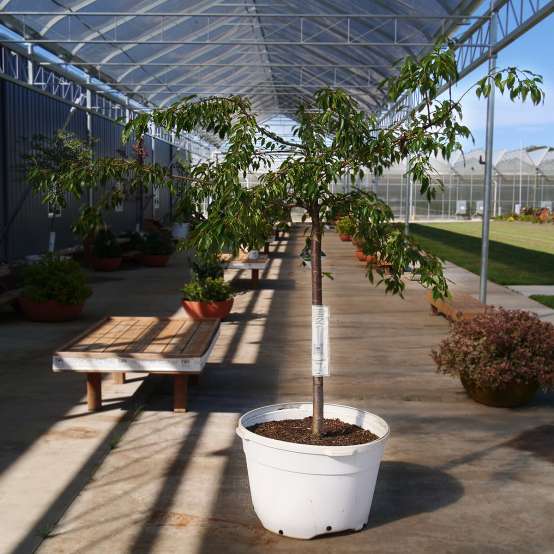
x=50 y=310
x=371 y=259
x=155 y=260
x=208 y=310
x=360 y=256
x=106 y=264
x=345 y=238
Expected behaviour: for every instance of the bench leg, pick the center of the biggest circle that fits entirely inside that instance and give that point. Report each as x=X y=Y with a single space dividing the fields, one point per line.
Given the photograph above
x=255 y=277
x=180 y=386
x=266 y=248
x=118 y=378
x=94 y=391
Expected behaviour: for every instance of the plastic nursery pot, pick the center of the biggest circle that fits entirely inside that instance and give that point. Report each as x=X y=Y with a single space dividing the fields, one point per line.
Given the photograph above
x=511 y=396
x=302 y=491
x=345 y=238
x=49 y=311
x=154 y=260
x=208 y=310
x=106 y=264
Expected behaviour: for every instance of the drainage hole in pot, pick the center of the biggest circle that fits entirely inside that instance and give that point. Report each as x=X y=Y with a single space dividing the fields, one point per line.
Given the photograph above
x=280 y=531
x=329 y=528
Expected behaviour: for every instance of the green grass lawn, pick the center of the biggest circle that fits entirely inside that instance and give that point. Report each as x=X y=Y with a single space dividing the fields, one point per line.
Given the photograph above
x=544 y=299
x=520 y=253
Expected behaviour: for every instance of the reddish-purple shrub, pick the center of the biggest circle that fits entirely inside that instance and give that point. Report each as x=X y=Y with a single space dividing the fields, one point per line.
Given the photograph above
x=499 y=347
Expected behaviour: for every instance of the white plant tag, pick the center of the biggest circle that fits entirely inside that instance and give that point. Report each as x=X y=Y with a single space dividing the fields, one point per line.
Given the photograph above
x=320 y=341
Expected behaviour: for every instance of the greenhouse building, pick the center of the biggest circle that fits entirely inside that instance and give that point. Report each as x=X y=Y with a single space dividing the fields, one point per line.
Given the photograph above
x=276 y=276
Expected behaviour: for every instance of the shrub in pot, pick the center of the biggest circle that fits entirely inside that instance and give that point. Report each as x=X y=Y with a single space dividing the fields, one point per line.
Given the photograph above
x=305 y=478
x=106 y=251
x=54 y=289
x=346 y=227
x=183 y=215
x=501 y=356
x=208 y=297
x=157 y=249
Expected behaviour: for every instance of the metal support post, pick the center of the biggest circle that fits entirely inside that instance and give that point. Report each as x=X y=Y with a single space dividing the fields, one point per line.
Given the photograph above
x=488 y=168
x=408 y=203
x=30 y=69
x=88 y=101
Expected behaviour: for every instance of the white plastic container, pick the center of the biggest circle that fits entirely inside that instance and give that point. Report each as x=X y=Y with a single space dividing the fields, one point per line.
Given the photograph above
x=180 y=231
x=253 y=254
x=302 y=491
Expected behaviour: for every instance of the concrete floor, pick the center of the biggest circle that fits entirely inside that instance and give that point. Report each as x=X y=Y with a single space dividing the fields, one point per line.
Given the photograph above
x=457 y=477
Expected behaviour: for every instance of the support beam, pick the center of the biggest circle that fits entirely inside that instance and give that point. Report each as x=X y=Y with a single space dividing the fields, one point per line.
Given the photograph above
x=488 y=172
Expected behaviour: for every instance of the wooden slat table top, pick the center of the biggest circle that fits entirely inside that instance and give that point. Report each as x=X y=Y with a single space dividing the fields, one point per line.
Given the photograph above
x=148 y=338
x=459 y=306
x=243 y=262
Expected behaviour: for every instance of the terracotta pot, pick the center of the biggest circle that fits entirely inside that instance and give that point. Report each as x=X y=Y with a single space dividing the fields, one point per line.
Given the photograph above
x=155 y=260
x=51 y=310
x=208 y=310
x=360 y=256
x=371 y=259
x=513 y=395
x=345 y=238
x=106 y=264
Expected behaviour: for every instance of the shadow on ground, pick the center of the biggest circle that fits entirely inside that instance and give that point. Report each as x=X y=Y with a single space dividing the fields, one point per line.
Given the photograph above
x=405 y=489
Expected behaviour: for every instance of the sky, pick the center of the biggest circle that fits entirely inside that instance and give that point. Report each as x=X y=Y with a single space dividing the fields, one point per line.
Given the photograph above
x=517 y=123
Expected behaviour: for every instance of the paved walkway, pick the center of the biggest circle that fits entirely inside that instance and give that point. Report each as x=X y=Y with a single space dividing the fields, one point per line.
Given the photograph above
x=457 y=477
x=530 y=290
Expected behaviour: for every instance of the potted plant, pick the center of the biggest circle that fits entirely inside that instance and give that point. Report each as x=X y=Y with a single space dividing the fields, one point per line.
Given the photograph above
x=182 y=217
x=106 y=251
x=207 y=297
x=157 y=249
x=320 y=477
x=501 y=356
x=54 y=289
x=346 y=227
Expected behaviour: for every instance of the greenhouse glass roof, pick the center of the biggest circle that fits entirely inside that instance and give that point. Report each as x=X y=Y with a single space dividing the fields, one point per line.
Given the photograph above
x=276 y=52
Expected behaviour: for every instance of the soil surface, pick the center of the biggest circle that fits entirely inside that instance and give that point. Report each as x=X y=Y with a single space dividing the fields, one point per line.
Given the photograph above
x=335 y=432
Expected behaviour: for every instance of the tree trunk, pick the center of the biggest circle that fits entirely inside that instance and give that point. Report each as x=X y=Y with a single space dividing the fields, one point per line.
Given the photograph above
x=317 y=300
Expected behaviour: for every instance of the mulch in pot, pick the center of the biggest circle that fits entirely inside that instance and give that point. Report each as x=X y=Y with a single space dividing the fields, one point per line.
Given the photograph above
x=335 y=432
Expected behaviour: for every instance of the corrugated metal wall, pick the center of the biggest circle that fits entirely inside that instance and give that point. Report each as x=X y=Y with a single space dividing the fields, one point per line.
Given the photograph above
x=24 y=113
x=27 y=113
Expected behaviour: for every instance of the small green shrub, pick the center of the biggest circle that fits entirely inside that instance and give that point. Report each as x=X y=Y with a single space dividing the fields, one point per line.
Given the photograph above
x=206 y=266
x=207 y=290
x=106 y=245
x=54 y=278
x=158 y=244
x=346 y=225
x=499 y=347
x=136 y=241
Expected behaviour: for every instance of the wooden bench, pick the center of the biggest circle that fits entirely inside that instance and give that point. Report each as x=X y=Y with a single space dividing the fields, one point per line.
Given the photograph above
x=459 y=306
x=120 y=345
x=243 y=262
